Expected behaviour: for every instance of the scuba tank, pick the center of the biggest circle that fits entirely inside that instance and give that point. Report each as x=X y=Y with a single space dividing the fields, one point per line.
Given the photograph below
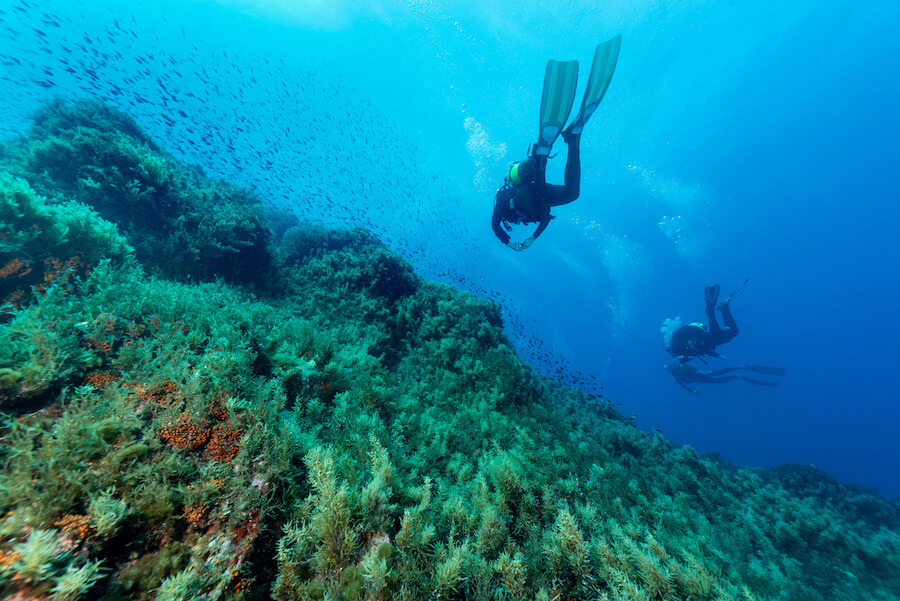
x=522 y=172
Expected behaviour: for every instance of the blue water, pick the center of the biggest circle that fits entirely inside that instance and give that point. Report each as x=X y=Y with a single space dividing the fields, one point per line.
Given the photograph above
x=737 y=140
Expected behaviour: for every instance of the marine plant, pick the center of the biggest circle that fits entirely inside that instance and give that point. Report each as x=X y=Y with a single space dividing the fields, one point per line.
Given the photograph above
x=347 y=432
x=181 y=224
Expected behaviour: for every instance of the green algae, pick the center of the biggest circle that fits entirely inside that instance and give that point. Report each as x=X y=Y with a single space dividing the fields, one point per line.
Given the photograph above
x=132 y=453
x=100 y=158
x=345 y=430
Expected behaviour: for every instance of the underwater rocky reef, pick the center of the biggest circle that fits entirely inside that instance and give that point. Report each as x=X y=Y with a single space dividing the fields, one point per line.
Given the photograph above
x=205 y=398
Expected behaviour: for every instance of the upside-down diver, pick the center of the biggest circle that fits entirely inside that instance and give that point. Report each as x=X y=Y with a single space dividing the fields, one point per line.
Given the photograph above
x=696 y=339
x=526 y=197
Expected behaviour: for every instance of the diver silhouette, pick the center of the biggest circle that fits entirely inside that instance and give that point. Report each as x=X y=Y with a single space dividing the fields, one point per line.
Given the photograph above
x=531 y=202
x=695 y=339
x=685 y=375
x=526 y=197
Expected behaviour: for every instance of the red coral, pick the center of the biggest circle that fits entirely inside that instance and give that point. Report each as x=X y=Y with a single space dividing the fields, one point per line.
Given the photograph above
x=15 y=267
x=194 y=513
x=62 y=271
x=224 y=443
x=187 y=433
x=166 y=393
x=73 y=526
x=101 y=379
x=216 y=407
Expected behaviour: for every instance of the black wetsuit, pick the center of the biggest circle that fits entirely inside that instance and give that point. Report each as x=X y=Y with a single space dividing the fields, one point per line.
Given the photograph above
x=531 y=203
x=686 y=374
x=694 y=341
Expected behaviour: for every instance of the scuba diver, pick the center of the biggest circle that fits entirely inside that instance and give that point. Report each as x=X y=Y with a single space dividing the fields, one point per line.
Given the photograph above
x=695 y=339
x=686 y=375
x=526 y=197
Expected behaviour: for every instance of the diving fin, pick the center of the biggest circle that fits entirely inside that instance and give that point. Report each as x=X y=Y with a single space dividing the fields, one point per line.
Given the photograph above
x=711 y=294
x=765 y=369
x=605 y=57
x=731 y=296
x=757 y=382
x=560 y=81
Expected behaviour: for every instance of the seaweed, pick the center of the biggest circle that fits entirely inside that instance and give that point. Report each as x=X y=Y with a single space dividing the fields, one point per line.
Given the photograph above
x=333 y=426
x=181 y=224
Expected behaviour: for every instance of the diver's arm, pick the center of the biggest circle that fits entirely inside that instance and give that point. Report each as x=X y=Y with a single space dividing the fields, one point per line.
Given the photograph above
x=684 y=385
x=527 y=242
x=542 y=209
x=540 y=228
x=495 y=225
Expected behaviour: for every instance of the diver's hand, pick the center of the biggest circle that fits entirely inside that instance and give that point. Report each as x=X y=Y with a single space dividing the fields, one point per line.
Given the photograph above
x=514 y=245
x=527 y=242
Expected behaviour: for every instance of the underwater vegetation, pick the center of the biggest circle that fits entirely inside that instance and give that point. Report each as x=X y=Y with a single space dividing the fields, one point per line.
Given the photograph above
x=92 y=154
x=206 y=398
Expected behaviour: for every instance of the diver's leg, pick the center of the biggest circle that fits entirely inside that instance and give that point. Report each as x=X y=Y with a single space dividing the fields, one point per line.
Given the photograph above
x=731 y=328
x=728 y=318
x=573 y=165
x=724 y=370
x=757 y=382
x=766 y=369
x=540 y=172
x=560 y=195
x=714 y=329
x=718 y=379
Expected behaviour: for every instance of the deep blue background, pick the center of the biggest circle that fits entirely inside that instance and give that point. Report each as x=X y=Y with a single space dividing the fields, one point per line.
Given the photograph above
x=737 y=140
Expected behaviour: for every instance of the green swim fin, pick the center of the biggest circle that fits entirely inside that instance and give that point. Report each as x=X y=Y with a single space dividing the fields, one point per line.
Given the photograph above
x=711 y=294
x=605 y=57
x=560 y=82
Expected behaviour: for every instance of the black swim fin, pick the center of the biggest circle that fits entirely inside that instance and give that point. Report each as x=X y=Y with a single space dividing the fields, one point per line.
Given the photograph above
x=711 y=294
x=757 y=382
x=731 y=296
x=765 y=369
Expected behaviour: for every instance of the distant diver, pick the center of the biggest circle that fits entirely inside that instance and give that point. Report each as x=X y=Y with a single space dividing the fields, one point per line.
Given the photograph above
x=695 y=339
x=526 y=197
x=686 y=375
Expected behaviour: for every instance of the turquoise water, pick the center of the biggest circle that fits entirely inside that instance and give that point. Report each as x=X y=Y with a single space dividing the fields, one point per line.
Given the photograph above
x=737 y=140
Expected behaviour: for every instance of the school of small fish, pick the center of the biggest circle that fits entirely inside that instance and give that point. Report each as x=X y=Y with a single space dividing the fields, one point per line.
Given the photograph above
x=295 y=134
